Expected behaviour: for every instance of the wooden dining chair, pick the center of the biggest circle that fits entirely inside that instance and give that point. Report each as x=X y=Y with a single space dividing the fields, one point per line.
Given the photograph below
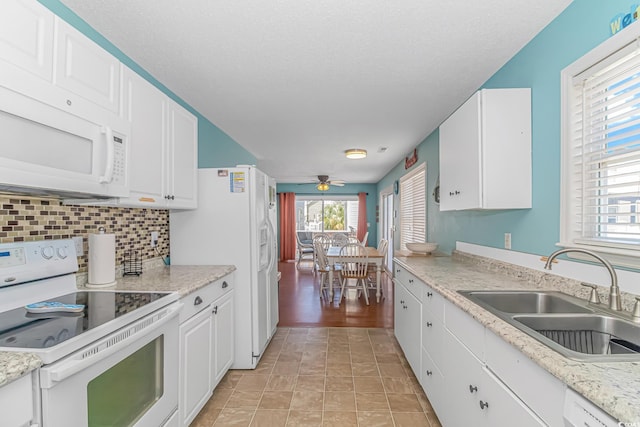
x=339 y=239
x=354 y=265
x=323 y=269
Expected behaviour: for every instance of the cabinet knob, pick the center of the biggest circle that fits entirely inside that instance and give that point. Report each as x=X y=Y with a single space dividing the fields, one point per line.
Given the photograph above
x=197 y=301
x=472 y=388
x=451 y=193
x=429 y=373
x=69 y=102
x=457 y=192
x=429 y=294
x=405 y=307
x=173 y=197
x=225 y=285
x=215 y=310
x=429 y=324
x=484 y=404
x=410 y=280
x=402 y=301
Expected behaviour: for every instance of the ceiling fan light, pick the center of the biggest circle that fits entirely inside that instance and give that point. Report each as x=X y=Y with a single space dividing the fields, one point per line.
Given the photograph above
x=355 y=153
x=322 y=186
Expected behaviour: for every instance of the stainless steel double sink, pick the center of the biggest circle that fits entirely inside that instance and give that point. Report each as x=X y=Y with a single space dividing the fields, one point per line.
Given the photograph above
x=571 y=326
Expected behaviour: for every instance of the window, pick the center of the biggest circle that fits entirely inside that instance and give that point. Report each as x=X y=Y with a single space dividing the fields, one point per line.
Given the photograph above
x=413 y=207
x=601 y=151
x=340 y=213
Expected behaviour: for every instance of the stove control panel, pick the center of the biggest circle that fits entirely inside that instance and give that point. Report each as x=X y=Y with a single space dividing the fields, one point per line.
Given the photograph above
x=27 y=261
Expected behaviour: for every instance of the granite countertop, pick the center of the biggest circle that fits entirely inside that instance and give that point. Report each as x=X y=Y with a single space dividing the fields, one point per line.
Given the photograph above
x=182 y=279
x=612 y=386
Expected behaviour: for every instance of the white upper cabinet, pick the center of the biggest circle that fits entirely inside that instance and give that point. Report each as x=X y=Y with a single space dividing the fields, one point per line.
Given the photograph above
x=64 y=68
x=164 y=148
x=146 y=108
x=182 y=158
x=85 y=69
x=26 y=42
x=485 y=152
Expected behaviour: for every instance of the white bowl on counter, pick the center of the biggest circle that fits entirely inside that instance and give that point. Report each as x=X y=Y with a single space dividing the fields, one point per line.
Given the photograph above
x=422 y=247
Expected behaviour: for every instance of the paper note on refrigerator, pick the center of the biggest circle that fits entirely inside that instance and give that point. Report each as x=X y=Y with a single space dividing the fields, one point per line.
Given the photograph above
x=237 y=182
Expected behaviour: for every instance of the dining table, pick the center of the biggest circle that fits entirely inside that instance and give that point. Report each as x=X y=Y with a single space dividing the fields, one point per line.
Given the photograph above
x=374 y=257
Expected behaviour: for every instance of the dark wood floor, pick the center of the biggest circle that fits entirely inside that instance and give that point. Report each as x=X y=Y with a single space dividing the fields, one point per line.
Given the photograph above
x=301 y=306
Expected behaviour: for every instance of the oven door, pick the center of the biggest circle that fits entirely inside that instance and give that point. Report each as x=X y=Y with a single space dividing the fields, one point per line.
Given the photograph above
x=128 y=378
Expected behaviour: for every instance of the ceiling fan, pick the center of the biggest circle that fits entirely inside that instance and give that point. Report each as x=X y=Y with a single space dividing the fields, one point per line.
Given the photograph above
x=324 y=183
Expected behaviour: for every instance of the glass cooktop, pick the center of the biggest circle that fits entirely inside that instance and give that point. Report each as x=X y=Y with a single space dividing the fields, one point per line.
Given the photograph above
x=19 y=328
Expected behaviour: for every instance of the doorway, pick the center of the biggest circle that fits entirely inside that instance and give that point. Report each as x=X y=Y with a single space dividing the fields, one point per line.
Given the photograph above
x=387 y=222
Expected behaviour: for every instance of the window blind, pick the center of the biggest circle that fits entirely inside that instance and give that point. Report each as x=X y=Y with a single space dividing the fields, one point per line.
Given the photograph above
x=605 y=149
x=413 y=211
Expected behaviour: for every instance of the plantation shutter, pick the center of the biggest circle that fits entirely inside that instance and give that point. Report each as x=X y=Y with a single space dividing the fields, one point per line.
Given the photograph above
x=413 y=207
x=605 y=150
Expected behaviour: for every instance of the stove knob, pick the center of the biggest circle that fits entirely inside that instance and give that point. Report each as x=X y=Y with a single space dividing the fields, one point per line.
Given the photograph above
x=62 y=252
x=47 y=252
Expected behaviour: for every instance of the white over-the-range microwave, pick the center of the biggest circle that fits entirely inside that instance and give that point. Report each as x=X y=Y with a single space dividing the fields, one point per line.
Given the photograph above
x=48 y=151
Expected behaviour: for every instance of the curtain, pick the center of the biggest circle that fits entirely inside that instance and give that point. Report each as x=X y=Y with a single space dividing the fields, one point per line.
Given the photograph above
x=362 y=216
x=287 y=203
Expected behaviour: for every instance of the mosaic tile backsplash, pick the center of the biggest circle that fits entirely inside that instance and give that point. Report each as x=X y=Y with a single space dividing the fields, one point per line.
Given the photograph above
x=33 y=218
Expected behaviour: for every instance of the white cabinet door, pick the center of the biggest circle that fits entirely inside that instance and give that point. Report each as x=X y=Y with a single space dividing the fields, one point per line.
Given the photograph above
x=222 y=336
x=463 y=373
x=85 y=69
x=502 y=406
x=182 y=158
x=460 y=184
x=195 y=364
x=146 y=109
x=408 y=315
x=485 y=152
x=26 y=39
x=18 y=402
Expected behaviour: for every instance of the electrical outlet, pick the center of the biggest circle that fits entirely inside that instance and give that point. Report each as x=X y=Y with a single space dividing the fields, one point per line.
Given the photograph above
x=154 y=239
x=507 y=240
x=77 y=241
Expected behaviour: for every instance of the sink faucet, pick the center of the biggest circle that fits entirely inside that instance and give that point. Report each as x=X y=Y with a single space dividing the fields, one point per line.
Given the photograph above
x=614 y=290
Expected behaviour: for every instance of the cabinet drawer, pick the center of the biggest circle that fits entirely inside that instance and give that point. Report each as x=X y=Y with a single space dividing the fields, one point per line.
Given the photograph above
x=411 y=282
x=465 y=328
x=433 y=303
x=432 y=331
x=526 y=379
x=201 y=298
x=432 y=382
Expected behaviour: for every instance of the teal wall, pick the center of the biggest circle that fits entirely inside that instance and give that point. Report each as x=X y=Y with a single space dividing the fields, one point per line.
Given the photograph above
x=580 y=28
x=215 y=148
x=347 y=189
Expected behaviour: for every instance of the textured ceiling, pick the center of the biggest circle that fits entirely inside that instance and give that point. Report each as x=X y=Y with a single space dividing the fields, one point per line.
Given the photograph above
x=296 y=82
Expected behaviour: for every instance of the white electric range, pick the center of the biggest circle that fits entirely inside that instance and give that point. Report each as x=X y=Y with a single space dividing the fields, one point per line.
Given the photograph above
x=113 y=363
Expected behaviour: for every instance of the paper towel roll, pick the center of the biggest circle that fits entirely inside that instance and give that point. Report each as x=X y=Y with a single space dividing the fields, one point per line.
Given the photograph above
x=102 y=260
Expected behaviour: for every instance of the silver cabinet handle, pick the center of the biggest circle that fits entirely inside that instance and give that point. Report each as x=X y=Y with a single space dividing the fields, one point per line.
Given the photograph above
x=429 y=324
x=484 y=404
x=197 y=301
x=215 y=310
x=472 y=388
x=429 y=373
x=429 y=294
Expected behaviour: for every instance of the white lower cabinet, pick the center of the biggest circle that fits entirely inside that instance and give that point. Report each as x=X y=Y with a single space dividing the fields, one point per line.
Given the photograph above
x=195 y=364
x=471 y=376
x=206 y=345
x=222 y=333
x=407 y=321
x=18 y=403
x=475 y=396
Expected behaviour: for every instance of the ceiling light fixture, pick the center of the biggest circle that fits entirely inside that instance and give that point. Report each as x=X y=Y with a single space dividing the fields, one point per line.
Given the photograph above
x=355 y=153
x=323 y=186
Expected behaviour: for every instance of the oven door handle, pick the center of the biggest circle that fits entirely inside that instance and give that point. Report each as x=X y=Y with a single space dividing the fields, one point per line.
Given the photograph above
x=107 y=346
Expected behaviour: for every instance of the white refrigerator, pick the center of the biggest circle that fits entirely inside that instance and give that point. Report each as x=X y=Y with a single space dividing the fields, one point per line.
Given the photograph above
x=235 y=223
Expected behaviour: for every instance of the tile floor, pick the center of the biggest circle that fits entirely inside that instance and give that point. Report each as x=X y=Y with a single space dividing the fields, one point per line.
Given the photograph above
x=323 y=377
